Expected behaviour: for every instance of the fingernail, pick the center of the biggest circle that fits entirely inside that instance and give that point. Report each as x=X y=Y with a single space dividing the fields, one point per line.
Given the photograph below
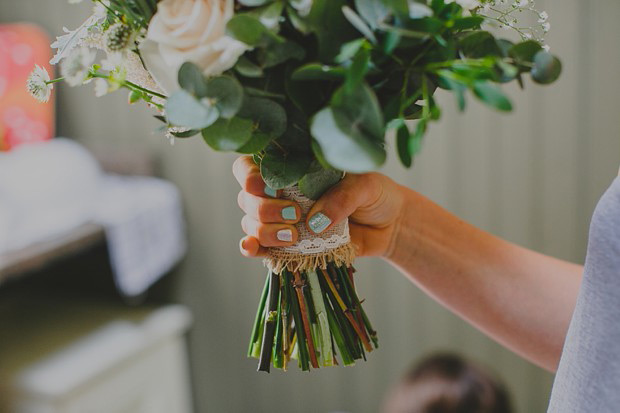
x=243 y=244
x=270 y=191
x=289 y=213
x=319 y=222
x=285 y=235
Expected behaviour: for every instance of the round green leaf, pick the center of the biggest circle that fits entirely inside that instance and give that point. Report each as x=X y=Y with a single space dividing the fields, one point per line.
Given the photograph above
x=183 y=109
x=247 y=68
x=345 y=150
x=257 y=143
x=247 y=29
x=227 y=93
x=547 y=68
x=525 y=51
x=281 y=170
x=268 y=116
x=318 y=180
x=192 y=80
x=228 y=134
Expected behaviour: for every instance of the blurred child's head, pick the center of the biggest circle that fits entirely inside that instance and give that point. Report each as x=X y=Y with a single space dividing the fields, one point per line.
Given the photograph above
x=447 y=383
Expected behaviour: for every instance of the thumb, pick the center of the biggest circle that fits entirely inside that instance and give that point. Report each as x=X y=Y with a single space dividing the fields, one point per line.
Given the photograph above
x=339 y=202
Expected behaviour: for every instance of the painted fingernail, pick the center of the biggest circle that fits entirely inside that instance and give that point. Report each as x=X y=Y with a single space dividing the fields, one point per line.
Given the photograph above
x=289 y=213
x=285 y=235
x=319 y=222
x=270 y=191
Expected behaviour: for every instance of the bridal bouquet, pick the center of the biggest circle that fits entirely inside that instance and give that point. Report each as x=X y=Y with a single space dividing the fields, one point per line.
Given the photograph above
x=310 y=88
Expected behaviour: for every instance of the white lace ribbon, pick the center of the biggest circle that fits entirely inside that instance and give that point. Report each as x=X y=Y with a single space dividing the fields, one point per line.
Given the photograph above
x=309 y=242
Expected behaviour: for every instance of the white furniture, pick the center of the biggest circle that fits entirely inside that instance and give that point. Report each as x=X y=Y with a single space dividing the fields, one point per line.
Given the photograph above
x=85 y=357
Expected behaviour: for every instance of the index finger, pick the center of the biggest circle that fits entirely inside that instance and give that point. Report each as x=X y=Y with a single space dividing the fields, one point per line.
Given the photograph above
x=248 y=175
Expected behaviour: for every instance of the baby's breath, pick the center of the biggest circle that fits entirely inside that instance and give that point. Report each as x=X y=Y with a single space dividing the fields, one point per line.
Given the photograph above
x=509 y=15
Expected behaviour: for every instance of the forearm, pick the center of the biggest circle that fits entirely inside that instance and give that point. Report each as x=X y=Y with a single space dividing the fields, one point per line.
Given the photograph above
x=521 y=298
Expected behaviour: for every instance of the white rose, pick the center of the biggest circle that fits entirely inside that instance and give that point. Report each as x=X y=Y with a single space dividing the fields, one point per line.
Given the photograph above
x=190 y=31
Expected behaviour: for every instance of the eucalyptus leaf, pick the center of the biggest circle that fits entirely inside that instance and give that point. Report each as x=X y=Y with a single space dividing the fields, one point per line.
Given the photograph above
x=228 y=134
x=492 y=96
x=247 y=29
x=183 y=109
x=358 y=23
x=280 y=170
x=317 y=71
x=318 y=180
x=192 y=80
x=525 y=51
x=547 y=68
x=268 y=116
x=350 y=49
x=373 y=11
x=247 y=68
x=226 y=93
x=359 y=113
x=342 y=149
x=402 y=144
x=277 y=52
x=257 y=143
x=478 y=44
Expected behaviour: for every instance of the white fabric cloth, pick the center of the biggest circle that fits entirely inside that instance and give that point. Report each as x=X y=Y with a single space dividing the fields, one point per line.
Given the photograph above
x=49 y=188
x=144 y=227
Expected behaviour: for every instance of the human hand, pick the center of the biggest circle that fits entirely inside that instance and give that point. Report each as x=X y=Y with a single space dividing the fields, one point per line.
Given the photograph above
x=373 y=203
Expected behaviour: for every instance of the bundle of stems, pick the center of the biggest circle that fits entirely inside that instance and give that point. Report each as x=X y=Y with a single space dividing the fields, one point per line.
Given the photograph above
x=310 y=316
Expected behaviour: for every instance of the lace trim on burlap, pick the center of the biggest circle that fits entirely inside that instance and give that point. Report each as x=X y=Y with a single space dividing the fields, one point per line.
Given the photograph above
x=311 y=250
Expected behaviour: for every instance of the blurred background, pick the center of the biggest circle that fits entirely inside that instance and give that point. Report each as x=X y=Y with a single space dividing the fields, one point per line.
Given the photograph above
x=532 y=177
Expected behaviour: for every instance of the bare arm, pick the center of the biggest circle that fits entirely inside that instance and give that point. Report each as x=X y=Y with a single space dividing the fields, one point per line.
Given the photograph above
x=521 y=298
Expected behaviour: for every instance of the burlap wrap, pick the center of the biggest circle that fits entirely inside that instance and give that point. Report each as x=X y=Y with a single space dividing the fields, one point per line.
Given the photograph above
x=311 y=250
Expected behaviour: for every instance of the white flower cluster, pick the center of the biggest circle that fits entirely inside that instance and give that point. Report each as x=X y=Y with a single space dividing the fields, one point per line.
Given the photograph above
x=503 y=13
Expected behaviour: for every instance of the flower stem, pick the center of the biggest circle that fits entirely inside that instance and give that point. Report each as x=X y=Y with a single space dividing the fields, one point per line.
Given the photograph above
x=299 y=286
x=270 y=323
x=49 y=82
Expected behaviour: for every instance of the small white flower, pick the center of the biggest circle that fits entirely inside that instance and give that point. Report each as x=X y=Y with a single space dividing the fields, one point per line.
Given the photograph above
x=101 y=87
x=76 y=66
x=546 y=47
x=521 y=3
x=546 y=26
x=38 y=86
x=527 y=35
x=543 y=17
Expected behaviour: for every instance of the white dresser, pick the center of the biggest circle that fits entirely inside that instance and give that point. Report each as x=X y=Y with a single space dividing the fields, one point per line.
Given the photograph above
x=92 y=357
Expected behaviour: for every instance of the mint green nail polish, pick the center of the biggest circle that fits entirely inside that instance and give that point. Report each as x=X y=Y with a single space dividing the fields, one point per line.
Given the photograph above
x=319 y=222
x=270 y=191
x=289 y=213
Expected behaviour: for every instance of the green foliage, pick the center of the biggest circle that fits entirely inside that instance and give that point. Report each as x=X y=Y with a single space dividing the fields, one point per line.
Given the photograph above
x=315 y=93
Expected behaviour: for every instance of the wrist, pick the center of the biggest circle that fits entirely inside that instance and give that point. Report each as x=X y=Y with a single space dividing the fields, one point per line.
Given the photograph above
x=401 y=235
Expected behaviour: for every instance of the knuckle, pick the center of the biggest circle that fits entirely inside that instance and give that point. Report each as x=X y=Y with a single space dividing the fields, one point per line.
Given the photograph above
x=241 y=199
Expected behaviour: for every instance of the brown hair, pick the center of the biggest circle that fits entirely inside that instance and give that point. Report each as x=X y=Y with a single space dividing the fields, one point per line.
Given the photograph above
x=447 y=383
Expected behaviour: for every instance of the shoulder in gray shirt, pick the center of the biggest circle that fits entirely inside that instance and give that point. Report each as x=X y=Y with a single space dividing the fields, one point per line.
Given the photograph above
x=588 y=378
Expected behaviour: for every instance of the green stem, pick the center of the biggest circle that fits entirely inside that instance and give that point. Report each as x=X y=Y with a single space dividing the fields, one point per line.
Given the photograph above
x=270 y=323
x=257 y=321
x=145 y=90
x=49 y=82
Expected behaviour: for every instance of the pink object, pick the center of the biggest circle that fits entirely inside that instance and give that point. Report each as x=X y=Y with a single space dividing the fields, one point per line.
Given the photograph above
x=22 y=118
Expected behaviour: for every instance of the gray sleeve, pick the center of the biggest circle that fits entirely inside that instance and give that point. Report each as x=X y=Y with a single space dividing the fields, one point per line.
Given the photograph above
x=588 y=377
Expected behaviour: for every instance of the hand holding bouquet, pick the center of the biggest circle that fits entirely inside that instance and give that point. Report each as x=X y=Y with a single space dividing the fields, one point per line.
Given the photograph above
x=309 y=88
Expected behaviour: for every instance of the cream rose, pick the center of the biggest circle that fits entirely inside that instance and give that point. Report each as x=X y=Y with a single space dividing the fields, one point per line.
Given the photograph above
x=190 y=31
